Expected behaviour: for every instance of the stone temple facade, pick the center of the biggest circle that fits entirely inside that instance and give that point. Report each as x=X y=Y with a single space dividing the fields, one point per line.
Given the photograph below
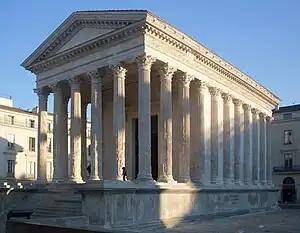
x=191 y=129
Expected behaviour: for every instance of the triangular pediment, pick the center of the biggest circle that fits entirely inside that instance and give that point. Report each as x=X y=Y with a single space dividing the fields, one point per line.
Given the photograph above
x=81 y=27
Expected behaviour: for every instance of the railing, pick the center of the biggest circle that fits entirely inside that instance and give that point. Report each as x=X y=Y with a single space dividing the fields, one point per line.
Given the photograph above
x=286 y=169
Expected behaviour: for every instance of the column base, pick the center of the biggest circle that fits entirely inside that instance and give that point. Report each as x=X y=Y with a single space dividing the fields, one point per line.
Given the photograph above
x=184 y=180
x=145 y=178
x=166 y=179
x=76 y=181
x=93 y=178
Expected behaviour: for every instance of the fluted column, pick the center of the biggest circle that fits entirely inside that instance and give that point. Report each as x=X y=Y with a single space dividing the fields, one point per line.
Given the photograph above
x=263 y=149
x=83 y=141
x=75 y=135
x=42 y=135
x=119 y=73
x=57 y=156
x=184 y=126
x=269 y=155
x=239 y=141
x=144 y=63
x=216 y=136
x=205 y=133
x=96 y=127
x=64 y=149
x=256 y=146
x=165 y=124
x=248 y=143
x=228 y=125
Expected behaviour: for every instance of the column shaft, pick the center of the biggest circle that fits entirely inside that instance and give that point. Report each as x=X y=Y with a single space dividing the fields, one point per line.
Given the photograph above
x=42 y=135
x=269 y=155
x=119 y=118
x=239 y=141
x=256 y=146
x=144 y=64
x=216 y=136
x=263 y=148
x=96 y=127
x=205 y=133
x=165 y=125
x=184 y=102
x=228 y=125
x=248 y=144
x=64 y=149
x=75 y=137
x=83 y=141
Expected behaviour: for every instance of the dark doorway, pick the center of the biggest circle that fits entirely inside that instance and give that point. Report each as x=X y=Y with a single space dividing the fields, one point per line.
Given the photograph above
x=288 y=191
x=154 y=146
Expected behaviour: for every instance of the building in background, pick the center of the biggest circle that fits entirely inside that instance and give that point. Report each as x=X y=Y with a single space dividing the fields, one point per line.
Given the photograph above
x=18 y=142
x=285 y=143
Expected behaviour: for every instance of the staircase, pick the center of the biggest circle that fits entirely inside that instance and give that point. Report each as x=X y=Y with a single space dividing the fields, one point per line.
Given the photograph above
x=66 y=204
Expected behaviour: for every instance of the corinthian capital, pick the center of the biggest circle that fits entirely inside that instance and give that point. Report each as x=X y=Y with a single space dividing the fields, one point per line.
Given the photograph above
x=269 y=118
x=185 y=79
x=226 y=97
x=74 y=81
x=43 y=91
x=118 y=70
x=214 y=91
x=145 y=61
x=247 y=107
x=166 y=71
x=255 y=111
x=262 y=115
x=237 y=102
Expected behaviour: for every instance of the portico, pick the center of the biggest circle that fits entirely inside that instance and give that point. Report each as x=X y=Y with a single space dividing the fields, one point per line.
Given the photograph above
x=212 y=119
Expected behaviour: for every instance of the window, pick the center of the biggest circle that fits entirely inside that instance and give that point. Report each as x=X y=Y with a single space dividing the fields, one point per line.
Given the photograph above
x=10 y=142
x=287 y=116
x=287 y=137
x=32 y=169
x=288 y=160
x=11 y=166
x=49 y=145
x=49 y=127
x=88 y=133
x=11 y=120
x=31 y=144
x=89 y=150
x=31 y=124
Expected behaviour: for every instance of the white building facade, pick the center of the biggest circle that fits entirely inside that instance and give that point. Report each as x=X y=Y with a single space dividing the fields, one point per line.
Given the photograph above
x=18 y=142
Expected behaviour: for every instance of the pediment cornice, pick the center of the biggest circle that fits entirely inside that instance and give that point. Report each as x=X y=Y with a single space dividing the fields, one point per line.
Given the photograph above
x=161 y=30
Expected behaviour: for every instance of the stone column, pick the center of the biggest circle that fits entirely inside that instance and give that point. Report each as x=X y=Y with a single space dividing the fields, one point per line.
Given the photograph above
x=238 y=141
x=228 y=125
x=216 y=136
x=263 y=149
x=165 y=125
x=269 y=155
x=75 y=135
x=64 y=146
x=256 y=146
x=184 y=102
x=119 y=73
x=144 y=63
x=83 y=141
x=205 y=133
x=42 y=135
x=57 y=156
x=248 y=144
x=96 y=127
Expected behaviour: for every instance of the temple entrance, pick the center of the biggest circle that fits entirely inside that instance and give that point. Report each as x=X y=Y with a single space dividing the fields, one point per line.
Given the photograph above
x=154 y=147
x=288 y=191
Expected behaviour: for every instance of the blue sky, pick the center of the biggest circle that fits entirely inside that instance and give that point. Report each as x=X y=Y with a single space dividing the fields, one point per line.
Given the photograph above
x=260 y=37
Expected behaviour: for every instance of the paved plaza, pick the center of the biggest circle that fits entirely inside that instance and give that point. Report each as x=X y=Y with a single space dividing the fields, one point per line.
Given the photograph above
x=282 y=221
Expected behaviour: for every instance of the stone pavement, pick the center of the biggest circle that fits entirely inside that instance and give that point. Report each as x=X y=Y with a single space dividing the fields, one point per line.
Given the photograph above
x=279 y=221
